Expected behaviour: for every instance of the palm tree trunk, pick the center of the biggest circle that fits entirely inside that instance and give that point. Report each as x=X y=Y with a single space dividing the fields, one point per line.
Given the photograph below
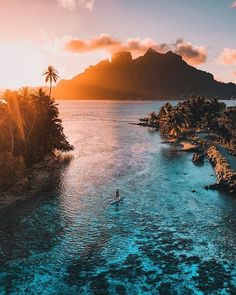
x=32 y=126
x=50 y=89
x=12 y=141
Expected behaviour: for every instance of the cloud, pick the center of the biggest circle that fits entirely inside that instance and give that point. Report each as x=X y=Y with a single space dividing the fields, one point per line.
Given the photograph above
x=138 y=46
x=227 y=57
x=72 y=4
x=191 y=54
x=87 y=3
x=111 y=45
x=194 y=55
x=104 y=41
x=69 y=4
x=233 y=5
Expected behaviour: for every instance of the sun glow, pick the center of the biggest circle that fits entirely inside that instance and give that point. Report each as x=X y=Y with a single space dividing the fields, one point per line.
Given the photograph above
x=21 y=64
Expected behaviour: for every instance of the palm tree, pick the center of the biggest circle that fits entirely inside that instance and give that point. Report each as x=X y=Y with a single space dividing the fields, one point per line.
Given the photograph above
x=6 y=128
x=46 y=134
x=25 y=93
x=51 y=76
x=15 y=117
x=38 y=98
x=152 y=119
x=3 y=124
x=174 y=123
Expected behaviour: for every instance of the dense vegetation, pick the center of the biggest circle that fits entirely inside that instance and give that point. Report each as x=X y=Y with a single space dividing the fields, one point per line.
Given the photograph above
x=197 y=113
x=30 y=128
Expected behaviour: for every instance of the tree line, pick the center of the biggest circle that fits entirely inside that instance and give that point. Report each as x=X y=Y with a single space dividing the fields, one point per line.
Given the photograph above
x=30 y=128
x=196 y=112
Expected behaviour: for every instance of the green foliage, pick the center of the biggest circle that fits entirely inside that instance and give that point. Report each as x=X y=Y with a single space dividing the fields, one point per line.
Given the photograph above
x=12 y=169
x=30 y=126
x=198 y=112
x=51 y=75
x=152 y=118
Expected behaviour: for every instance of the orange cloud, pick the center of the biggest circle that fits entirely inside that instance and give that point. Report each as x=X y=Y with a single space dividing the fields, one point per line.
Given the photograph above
x=233 y=5
x=192 y=54
x=82 y=46
x=111 y=45
x=227 y=57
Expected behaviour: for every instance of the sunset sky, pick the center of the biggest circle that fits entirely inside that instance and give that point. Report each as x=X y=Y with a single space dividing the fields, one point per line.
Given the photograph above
x=72 y=34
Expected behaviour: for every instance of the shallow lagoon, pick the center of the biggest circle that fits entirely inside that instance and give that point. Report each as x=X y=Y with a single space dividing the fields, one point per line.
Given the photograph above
x=162 y=239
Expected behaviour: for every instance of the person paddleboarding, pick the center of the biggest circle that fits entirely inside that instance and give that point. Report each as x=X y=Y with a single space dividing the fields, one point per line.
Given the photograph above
x=118 y=199
x=117 y=195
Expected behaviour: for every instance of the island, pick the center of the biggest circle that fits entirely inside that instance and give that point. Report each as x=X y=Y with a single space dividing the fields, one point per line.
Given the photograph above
x=153 y=76
x=206 y=127
x=31 y=143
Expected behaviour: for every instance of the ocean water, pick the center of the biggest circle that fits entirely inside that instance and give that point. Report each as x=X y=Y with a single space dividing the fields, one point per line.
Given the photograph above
x=162 y=239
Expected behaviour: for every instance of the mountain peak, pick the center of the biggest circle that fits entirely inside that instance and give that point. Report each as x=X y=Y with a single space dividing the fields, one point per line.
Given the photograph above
x=122 y=57
x=151 y=76
x=173 y=55
x=170 y=54
x=151 y=50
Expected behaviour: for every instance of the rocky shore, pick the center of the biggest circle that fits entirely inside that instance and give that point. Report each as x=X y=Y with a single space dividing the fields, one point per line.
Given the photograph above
x=226 y=176
x=40 y=177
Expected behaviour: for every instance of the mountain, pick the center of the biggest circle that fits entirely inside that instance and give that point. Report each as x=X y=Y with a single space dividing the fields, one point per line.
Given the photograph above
x=151 y=76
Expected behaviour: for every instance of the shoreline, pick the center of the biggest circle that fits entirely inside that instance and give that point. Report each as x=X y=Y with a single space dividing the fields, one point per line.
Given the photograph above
x=38 y=178
x=201 y=148
x=225 y=174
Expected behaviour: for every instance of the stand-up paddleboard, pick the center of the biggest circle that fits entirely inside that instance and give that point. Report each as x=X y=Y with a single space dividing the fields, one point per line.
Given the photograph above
x=117 y=202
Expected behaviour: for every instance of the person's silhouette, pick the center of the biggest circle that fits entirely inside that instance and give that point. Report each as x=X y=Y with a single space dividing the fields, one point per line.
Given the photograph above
x=117 y=195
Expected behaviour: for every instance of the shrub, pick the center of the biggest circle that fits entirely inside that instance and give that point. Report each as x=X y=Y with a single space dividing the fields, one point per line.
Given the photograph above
x=12 y=169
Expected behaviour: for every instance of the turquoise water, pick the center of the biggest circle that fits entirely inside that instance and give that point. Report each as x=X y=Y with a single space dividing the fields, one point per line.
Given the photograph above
x=162 y=239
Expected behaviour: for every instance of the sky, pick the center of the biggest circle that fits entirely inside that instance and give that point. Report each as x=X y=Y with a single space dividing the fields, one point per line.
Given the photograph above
x=73 y=34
